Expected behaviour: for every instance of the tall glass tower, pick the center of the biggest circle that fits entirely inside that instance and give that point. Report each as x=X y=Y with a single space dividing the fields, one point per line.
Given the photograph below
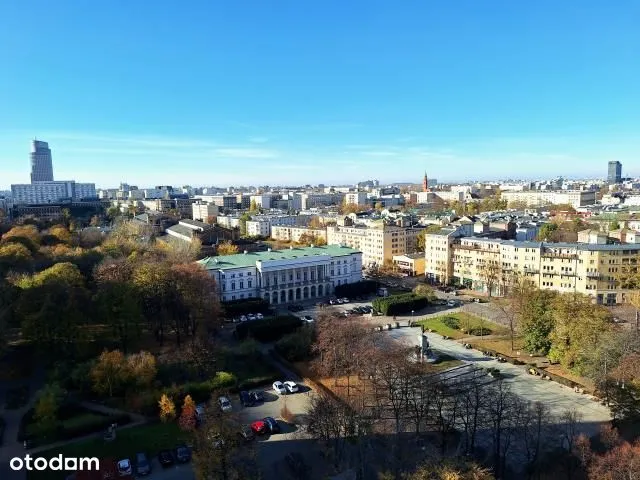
x=41 y=163
x=614 y=173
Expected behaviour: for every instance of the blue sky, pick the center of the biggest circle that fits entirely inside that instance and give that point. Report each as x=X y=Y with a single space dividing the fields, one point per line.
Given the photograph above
x=271 y=92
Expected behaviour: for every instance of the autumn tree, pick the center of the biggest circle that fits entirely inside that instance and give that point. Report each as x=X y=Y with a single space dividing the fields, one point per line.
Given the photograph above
x=141 y=368
x=450 y=469
x=227 y=248
x=620 y=463
x=110 y=372
x=490 y=273
x=187 y=420
x=46 y=410
x=61 y=234
x=15 y=257
x=167 y=408
x=548 y=233
x=153 y=283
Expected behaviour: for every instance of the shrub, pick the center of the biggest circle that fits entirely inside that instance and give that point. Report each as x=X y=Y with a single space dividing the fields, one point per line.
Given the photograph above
x=235 y=308
x=451 y=322
x=477 y=331
x=357 y=289
x=269 y=329
x=296 y=346
x=396 y=304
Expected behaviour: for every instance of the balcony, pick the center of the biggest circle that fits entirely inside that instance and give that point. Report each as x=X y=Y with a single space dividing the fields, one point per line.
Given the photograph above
x=476 y=248
x=532 y=271
x=595 y=275
x=571 y=256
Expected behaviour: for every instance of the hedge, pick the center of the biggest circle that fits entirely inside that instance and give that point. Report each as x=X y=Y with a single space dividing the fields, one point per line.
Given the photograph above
x=451 y=322
x=357 y=289
x=269 y=329
x=396 y=304
x=235 y=308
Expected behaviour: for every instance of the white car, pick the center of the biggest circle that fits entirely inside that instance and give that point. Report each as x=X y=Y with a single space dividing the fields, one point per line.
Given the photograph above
x=452 y=303
x=307 y=319
x=345 y=300
x=279 y=388
x=243 y=318
x=259 y=316
x=251 y=317
x=225 y=404
x=125 y=468
x=340 y=301
x=291 y=386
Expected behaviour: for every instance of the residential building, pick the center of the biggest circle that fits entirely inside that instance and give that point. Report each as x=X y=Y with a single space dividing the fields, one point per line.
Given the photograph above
x=438 y=265
x=313 y=200
x=202 y=210
x=540 y=198
x=411 y=264
x=41 y=162
x=592 y=269
x=258 y=228
x=290 y=233
x=378 y=244
x=188 y=230
x=614 y=172
x=284 y=276
x=592 y=236
x=355 y=198
x=262 y=200
x=49 y=192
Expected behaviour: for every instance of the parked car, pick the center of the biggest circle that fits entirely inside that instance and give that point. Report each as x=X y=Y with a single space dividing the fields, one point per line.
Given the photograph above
x=259 y=316
x=143 y=467
x=452 y=303
x=243 y=318
x=291 y=386
x=124 y=467
x=279 y=388
x=225 y=404
x=345 y=300
x=259 y=427
x=251 y=317
x=257 y=396
x=165 y=457
x=307 y=319
x=333 y=301
x=246 y=399
x=183 y=454
x=272 y=425
x=340 y=301
x=246 y=432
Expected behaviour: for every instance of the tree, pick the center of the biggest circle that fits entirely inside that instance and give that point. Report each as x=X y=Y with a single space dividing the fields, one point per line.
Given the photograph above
x=61 y=233
x=167 y=408
x=28 y=232
x=378 y=206
x=614 y=225
x=451 y=469
x=15 y=256
x=620 y=463
x=95 y=221
x=242 y=222
x=535 y=319
x=141 y=368
x=578 y=325
x=154 y=285
x=50 y=399
x=253 y=207
x=187 y=420
x=548 y=233
x=66 y=217
x=425 y=290
x=420 y=239
x=490 y=272
x=110 y=372
x=227 y=248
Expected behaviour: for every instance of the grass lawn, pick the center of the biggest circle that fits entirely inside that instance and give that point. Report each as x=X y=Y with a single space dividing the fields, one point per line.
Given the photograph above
x=465 y=321
x=147 y=438
x=251 y=369
x=444 y=362
x=503 y=346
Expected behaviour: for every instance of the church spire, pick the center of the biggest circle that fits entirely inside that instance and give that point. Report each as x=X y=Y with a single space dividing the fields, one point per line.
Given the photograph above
x=425 y=183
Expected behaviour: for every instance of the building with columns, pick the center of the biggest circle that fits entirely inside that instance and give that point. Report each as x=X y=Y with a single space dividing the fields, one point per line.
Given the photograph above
x=284 y=276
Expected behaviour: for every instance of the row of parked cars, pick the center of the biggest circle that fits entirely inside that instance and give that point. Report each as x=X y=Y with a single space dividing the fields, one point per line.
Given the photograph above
x=142 y=464
x=338 y=301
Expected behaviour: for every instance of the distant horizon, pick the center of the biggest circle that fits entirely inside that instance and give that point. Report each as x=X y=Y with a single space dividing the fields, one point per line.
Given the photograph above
x=244 y=93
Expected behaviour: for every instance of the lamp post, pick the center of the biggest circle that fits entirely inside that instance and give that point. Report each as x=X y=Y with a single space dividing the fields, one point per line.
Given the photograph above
x=412 y=317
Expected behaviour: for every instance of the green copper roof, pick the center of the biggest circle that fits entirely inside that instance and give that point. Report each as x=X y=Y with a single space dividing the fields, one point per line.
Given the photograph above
x=250 y=259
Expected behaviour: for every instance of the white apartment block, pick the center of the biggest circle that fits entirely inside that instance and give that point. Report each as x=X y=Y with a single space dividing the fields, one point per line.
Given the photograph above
x=202 y=211
x=42 y=193
x=258 y=228
x=290 y=233
x=228 y=221
x=378 y=244
x=284 y=276
x=312 y=200
x=540 y=198
x=355 y=198
x=262 y=201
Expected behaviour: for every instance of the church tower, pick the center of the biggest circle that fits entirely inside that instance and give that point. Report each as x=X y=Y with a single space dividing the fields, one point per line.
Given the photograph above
x=425 y=183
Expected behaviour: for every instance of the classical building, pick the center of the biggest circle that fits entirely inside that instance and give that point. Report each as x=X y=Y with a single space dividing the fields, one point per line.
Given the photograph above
x=483 y=264
x=284 y=276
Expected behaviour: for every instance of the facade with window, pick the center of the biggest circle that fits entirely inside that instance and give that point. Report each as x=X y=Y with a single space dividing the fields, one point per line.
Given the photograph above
x=284 y=276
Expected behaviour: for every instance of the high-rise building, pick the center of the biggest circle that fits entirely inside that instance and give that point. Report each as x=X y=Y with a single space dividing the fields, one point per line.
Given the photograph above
x=41 y=163
x=615 y=172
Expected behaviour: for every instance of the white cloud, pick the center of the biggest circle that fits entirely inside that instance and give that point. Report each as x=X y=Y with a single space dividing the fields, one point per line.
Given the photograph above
x=238 y=152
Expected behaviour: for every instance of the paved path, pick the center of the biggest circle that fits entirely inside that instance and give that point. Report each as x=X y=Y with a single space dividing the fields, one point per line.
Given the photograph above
x=555 y=396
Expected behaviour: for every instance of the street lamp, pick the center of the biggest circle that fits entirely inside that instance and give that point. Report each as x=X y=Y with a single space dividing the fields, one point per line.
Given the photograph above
x=412 y=317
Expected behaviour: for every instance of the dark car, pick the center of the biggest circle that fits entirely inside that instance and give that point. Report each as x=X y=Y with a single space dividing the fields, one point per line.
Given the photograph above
x=272 y=424
x=246 y=432
x=143 y=467
x=257 y=396
x=246 y=399
x=183 y=454
x=165 y=457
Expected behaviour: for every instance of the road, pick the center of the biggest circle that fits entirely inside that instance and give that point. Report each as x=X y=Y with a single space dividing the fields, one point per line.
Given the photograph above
x=557 y=397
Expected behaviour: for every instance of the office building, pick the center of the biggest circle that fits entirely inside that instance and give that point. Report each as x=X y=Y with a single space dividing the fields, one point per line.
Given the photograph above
x=284 y=276
x=41 y=162
x=614 y=173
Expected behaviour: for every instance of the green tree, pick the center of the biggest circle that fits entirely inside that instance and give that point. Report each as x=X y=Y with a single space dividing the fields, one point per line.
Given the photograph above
x=614 y=225
x=153 y=282
x=253 y=207
x=110 y=372
x=535 y=320
x=66 y=217
x=548 y=233
x=244 y=218
x=420 y=239
x=50 y=398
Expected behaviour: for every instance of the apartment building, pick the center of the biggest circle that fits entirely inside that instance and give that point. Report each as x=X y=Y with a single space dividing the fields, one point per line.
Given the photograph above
x=289 y=233
x=540 y=198
x=43 y=193
x=597 y=270
x=258 y=228
x=313 y=200
x=438 y=264
x=284 y=276
x=202 y=210
x=378 y=244
x=355 y=198
x=262 y=201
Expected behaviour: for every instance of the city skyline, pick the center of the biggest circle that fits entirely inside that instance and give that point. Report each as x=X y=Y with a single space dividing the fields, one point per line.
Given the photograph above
x=320 y=93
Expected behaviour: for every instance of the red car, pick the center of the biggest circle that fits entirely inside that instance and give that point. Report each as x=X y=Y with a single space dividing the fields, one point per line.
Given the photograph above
x=259 y=427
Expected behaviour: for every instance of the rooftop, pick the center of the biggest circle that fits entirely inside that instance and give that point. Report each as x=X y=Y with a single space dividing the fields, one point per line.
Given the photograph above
x=182 y=230
x=249 y=259
x=577 y=246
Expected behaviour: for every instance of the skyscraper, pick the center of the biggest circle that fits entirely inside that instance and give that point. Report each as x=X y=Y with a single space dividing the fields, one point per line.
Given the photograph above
x=614 y=174
x=41 y=163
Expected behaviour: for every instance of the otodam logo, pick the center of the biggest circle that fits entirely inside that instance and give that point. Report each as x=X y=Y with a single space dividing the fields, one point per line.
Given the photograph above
x=59 y=463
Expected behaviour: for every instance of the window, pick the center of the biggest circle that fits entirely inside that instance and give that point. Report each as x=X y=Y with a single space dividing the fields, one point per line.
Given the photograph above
x=233 y=297
x=233 y=285
x=249 y=283
x=241 y=284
